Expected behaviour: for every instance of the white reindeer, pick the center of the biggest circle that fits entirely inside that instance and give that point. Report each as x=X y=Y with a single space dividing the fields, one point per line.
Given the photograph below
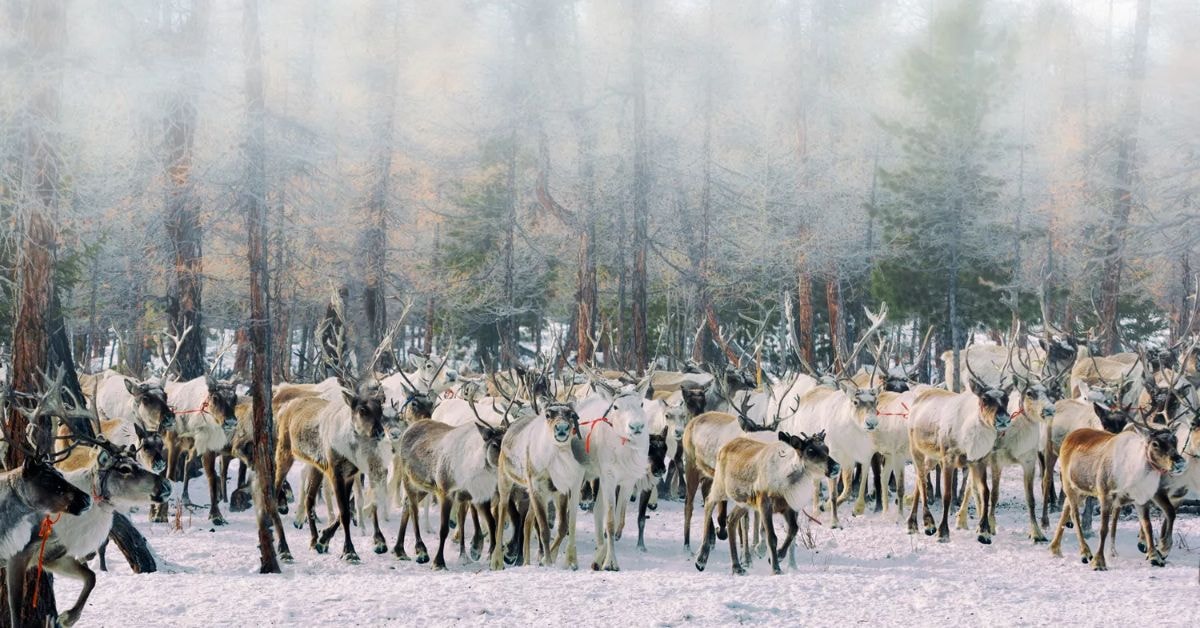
x=616 y=448
x=537 y=463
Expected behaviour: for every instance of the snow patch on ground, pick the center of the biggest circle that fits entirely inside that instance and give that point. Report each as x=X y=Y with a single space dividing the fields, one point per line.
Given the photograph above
x=871 y=572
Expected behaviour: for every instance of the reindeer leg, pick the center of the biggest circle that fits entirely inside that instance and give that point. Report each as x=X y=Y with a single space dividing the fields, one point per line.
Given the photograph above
x=500 y=504
x=920 y=490
x=342 y=486
x=985 y=500
x=1048 y=493
x=285 y=553
x=964 y=505
x=489 y=516
x=214 y=490
x=898 y=473
x=722 y=520
x=790 y=517
x=312 y=484
x=710 y=535
x=765 y=510
x=879 y=477
x=600 y=515
x=225 y=460
x=1085 y=552
x=995 y=494
x=1163 y=500
x=1152 y=554
x=377 y=536
x=947 y=494
x=422 y=554
x=643 y=502
x=1056 y=542
x=71 y=568
x=616 y=512
x=1106 y=505
x=572 y=513
x=736 y=518
x=690 y=486
x=833 y=500
x=1035 y=532
x=860 y=503
x=14 y=571
x=439 y=560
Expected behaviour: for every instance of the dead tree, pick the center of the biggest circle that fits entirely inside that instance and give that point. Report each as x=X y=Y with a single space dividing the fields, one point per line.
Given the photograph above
x=641 y=190
x=185 y=25
x=254 y=201
x=1123 y=182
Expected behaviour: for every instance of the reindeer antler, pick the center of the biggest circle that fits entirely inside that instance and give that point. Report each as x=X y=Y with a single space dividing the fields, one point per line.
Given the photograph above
x=877 y=320
x=177 y=342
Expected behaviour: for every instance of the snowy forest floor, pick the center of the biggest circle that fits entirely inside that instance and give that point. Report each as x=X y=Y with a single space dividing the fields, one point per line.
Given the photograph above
x=870 y=572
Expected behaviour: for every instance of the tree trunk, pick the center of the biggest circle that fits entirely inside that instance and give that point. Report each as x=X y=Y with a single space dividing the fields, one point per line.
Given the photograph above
x=254 y=202
x=132 y=545
x=1123 y=182
x=44 y=35
x=641 y=185
x=804 y=317
x=383 y=130
x=837 y=324
x=182 y=206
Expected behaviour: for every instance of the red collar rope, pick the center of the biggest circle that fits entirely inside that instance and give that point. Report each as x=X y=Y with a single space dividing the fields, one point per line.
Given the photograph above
x=449 y=394
x=587 y=442
x=899 y=414
x=203 y=408
x=44 y=533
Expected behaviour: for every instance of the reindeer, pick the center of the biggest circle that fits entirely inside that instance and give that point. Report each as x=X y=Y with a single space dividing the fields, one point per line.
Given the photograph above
x=206 y=417
x=890 y=441
x=616 y=450
x=456 y=464
x=953 y=430
x=1115 y=468
x=848 y=414
x=339 y=439
x=141 y=402
x=538 y=462
x=767 y=477
x=31 y=493
x=1031 y=411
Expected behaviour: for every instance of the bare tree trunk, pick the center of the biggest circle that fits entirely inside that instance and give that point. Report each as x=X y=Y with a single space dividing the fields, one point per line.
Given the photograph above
x=641 y=185
x=254 y=201
x=804 y=317
x=44 y=35
x=187 y=31
x=837 y=324
x=1123 y=182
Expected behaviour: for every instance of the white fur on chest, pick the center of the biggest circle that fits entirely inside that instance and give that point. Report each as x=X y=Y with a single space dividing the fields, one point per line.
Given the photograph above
x=17 y=538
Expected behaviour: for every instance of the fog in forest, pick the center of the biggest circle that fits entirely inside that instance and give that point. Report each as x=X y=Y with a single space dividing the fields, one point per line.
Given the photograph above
x=622 y=179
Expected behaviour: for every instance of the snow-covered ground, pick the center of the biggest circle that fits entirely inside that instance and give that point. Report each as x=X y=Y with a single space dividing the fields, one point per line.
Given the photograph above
x=871 y=572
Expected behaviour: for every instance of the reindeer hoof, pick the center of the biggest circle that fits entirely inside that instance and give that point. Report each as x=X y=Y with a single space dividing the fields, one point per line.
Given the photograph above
x=1039 y=539
x=1142 y=546
x=218 y=520
x=299 y=525
x=400 y=554
x=985 y=539
x=320 y=547
x=283 y=508
x=285 y=556
x=351 y=557
x=439 y=565
x=642 y=548
x=422 y=557
x=930 y=530
x=943 y=538
x=1099 y=566
x=701 y=564
x=1158 y=561
x=652 y=507
x=595 y=566
x=722 y=534
x=1085 y=559
x=738 y=570
x=380 y=547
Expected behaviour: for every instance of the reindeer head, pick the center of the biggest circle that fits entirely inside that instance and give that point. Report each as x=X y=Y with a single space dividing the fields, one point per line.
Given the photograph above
x=1162 y=449
x=366 y=403
x=658 y=453
x=993 y=404
x=678 y=415
x=1036 y=399
x=150 y=404
x=46 y=489
x=394 y=422
x=492 y=439
x=626 y=409
x=562 y=422
x=121 y=480
x=222 y=401
x=695 y=398
x=813 y=452
x=1113 y=417
x=865 y=401
x=151 y=449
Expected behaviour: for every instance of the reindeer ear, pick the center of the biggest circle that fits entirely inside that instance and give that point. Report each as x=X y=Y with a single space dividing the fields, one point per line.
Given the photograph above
x=139 y=431
x=131 y=386
x=105 y=459
x=348 y=397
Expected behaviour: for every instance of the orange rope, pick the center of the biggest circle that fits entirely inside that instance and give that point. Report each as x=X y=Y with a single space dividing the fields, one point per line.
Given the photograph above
x=201 y=410
x=44 y=532
x=587 y=442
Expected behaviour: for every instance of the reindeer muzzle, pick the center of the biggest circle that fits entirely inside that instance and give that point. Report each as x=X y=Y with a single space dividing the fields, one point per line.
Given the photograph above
x=80 y=504
x=1002 y=421
x=158 y=466
x=832 y=469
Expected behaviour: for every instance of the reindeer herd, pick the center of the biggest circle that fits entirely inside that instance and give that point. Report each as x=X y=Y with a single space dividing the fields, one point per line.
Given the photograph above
x=516 y=455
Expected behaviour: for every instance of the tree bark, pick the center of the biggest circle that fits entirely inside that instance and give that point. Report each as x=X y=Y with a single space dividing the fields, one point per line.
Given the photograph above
x=1123 y=182
x=182 y=206
x=254 y=202
x=132 y=545
x=44 y=36
x=641 y=185
x=837 y=324
x=804 y=317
